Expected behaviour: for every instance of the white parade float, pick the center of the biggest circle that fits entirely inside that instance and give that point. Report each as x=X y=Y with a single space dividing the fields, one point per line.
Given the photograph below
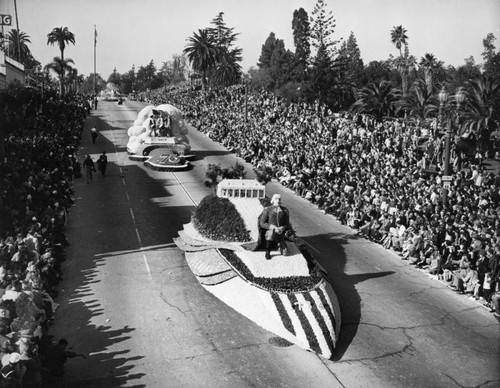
x=159 y=138
x=287 y=295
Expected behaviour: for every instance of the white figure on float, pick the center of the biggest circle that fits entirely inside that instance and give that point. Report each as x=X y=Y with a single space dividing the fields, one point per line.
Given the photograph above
x=164 y=120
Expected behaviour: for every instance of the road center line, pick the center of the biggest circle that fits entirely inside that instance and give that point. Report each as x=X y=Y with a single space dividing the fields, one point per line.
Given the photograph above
x=128 y=199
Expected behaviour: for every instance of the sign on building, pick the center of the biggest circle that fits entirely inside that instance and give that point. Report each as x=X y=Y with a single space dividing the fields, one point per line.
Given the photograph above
x=5 y=20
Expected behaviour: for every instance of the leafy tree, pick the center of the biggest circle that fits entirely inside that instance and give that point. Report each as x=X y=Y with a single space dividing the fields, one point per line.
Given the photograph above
x=215 y=173
x=322 y=29
x=60 y=36
x=87 y=85
x=458 y=77
x=489 y=47
x=301 y=36
x=202 y=52
x=16 y=46
x=281 y=64
x=128 y=81
x=267 y=51
x=227 y=69
x=223 y=36
x=324 y=70
x=114 y=77
x=491 y=58
x=174 y=71
x=147 y=77
x=350 y=57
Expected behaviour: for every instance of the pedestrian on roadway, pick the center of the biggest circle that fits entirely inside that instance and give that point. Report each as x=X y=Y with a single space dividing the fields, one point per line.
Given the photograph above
x=94 y=134
x=88 y=164
x=102 y=163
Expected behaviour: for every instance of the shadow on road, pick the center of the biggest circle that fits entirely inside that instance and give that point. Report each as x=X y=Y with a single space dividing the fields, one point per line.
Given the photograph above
x=100 y=229
x=344 y=285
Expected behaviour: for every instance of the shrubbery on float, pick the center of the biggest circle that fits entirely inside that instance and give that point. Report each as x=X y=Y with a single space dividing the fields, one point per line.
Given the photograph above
x=217 y=219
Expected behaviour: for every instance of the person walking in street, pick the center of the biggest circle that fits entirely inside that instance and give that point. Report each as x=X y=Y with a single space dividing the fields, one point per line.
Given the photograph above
x=102 y=163
x=94 y=134
x=88 y=164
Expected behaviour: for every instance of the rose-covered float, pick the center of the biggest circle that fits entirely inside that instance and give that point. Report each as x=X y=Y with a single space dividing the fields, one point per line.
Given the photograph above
x=159 y=138
x=287 y=295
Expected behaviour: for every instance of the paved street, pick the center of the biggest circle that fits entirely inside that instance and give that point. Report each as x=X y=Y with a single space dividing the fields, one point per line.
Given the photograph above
x=130 y=302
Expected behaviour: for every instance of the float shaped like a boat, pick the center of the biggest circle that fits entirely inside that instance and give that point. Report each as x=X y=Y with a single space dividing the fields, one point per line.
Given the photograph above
x=287 y=295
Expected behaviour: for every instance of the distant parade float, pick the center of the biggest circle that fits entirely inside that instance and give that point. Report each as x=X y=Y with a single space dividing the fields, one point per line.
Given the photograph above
x=159 y=138
x=286 y=295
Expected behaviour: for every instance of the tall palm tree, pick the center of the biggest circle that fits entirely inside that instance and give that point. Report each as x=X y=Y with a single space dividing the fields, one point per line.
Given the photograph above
x=60 y=67
x=431 y=66
x=60 y=36
x=400 y=39
x=16 y=46
x=202 y=53
x=377 y=99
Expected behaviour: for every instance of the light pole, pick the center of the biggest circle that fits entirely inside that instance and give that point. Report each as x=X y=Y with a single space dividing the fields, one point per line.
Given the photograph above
x=246 y=101
x=443 y=97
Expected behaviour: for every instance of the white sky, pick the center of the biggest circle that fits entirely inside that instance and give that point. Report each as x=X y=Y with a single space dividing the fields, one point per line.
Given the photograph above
x=136 y=31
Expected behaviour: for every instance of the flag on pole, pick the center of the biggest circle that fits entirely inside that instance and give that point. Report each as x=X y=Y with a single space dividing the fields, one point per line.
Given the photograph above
x=95 y=35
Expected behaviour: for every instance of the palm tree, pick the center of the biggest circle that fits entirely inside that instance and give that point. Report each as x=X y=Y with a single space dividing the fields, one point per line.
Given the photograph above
x=61 y=36
x=420 y=103
x=228 y=70
x=431 y=66
x=72 y=78
x=377 y=99
x=481 y=107
x=60 y=67
x=202 y=53
x=16 y=46
x=400 y=39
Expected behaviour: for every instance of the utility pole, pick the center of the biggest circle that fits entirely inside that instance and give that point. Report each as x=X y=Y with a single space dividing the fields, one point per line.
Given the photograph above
x=18 y=40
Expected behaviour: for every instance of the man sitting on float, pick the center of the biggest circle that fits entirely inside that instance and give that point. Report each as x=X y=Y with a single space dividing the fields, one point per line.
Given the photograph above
x=275 y=219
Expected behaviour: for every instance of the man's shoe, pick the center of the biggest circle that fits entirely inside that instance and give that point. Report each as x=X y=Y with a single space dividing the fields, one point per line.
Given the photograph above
x=268 y=255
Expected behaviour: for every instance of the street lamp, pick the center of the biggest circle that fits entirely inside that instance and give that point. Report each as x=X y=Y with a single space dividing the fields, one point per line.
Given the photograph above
x=459 y=99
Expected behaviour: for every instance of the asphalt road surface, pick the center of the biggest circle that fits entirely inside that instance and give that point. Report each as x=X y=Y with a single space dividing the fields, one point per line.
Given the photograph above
x=129 y=301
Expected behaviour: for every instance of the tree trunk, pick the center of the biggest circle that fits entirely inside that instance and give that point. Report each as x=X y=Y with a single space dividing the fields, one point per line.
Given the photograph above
x=428 y=81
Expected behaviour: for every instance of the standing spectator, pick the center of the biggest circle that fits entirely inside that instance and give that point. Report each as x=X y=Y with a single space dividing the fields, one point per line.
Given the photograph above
x=102 y=163
x=12 y=373
x=88 y=164
x=56 y=356
x=94 y=134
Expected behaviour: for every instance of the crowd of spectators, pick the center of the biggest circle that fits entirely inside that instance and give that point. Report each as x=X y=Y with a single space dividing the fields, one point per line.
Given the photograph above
x=36 y=177
x=382 y=178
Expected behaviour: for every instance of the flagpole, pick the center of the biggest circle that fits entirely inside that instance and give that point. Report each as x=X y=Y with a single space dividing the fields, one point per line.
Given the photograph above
x=95 y=89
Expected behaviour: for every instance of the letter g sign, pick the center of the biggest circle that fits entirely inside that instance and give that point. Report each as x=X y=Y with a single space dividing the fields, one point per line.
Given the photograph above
x=5 y=20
